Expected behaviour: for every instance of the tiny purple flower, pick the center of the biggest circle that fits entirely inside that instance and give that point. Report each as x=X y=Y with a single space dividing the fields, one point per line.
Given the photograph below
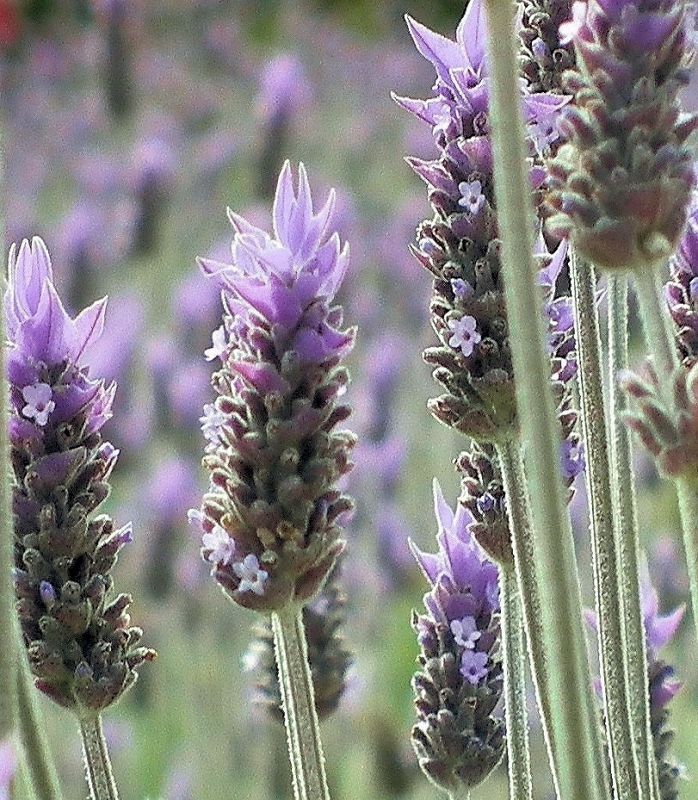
x=47 y=593
x=219 y=345
x=462 y=290
x=252 y=577
x=572 y=458
x=38 y=402
x=465 y=334
x=221 y=546
x=472 y=199
x=473 y=666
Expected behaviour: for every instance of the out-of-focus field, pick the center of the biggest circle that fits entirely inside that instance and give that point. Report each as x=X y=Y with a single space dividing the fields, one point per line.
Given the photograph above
x=123 y=156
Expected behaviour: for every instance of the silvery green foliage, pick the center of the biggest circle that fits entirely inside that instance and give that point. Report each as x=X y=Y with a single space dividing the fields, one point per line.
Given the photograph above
x=458 y=739
x=82 y=648
x=273 y=515
x=621 y=183
x=328 y=656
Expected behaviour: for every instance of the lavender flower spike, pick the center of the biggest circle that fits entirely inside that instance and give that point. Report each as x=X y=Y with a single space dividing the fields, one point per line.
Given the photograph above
x=82 y=649
x=621 y=184
x=272 y=517
x=457 y=739
x=460 y=245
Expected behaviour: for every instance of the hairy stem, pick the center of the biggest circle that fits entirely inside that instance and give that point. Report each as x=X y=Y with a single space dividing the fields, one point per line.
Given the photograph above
x=655 y=322
x=8 y=647
x=529 y=589
x=100 y=777
x=41 y=771
x=520 y=781
x=605 y=556
x=580 y=772
x=627 y=540
x=302 y=728
x=688 y=508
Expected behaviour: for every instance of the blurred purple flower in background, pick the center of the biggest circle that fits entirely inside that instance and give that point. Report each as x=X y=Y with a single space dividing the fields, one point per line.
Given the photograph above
x=663 y=685
x=8 y=767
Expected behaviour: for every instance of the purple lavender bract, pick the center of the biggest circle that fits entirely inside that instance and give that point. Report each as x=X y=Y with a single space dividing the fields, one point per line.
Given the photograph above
x=272 y=517
x=82 y=649
x=621 y=184
x=457 y=739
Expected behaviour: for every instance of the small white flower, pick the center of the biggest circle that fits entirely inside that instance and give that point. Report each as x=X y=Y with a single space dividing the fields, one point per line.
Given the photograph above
x=252 y=578
x=218 y=347
x=568 y=30
x=38 y=402
x=222 y=547
x=465 y=632
x=211 y=423
x=465 y=335
x=195 y=517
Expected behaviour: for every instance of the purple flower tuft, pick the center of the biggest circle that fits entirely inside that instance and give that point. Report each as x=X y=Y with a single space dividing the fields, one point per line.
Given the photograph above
x=457 y=739
x=621 y=184
x=82 y=649
x=273 y=452
x=460 y=247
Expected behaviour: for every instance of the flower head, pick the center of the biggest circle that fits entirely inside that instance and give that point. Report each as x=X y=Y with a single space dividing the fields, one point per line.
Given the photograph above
x=460 y=245
x=457 y=740
x=273 y=452
x=621 y=183
x=82 y=649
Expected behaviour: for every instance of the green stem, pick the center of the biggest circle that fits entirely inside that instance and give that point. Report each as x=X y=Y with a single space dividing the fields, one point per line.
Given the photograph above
x=302 y=728
x=580 y=772
x=37 y=757
x=655 y=323
x=688 y=509
x=604 y=552
x=520 y=781
x=100 y=777
x=529 y=588
x=8 y=649
x=626 y=533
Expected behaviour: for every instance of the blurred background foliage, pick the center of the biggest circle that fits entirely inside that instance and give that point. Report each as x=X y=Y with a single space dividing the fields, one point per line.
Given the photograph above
x=128 y=129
